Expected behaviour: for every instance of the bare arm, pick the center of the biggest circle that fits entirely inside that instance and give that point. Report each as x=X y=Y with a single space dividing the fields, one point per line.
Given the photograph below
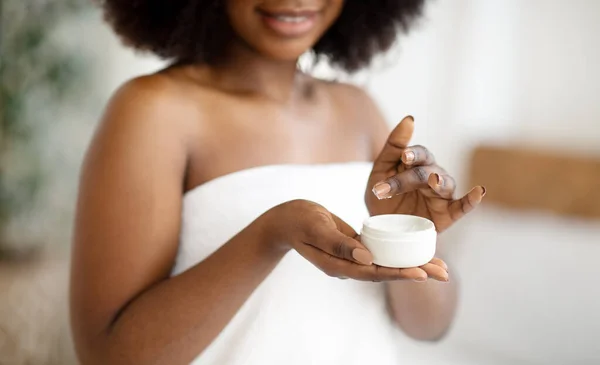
x=125 y=309
x=425 y=310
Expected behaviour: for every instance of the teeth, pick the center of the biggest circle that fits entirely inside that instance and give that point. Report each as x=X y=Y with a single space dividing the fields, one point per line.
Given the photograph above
x=291 y=19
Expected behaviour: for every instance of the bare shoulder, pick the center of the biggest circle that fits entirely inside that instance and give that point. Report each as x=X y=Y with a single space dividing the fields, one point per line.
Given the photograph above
x=356 y=102
x=143 y=135
x=160 y=106
x=347 y=91
x=151 y=99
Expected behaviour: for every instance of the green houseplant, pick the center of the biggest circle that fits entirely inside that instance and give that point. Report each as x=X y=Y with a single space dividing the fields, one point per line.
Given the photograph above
x=33 y=67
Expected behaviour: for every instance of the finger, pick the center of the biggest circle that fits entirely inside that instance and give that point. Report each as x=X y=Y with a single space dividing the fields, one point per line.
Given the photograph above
x=343 y=246
x=360 y=253
x=345 y=227
x=339 y=268
x=377 y=273
x=443 y=185
x=391 y=153
x=417 y=156
x=439 y=262
x=467 y=203
x=390 y=274
x=406 y=181
x=435 y=272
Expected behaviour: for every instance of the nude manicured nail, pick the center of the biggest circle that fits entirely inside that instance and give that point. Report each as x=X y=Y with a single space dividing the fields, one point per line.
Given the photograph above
x=382 y=190
x=438 y=179
x=409 y=156
x=484 y=191
x=420 y=280
x=362 y=256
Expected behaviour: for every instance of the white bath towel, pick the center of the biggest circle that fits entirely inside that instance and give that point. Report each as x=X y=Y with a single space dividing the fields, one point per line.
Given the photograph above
x=298 y=315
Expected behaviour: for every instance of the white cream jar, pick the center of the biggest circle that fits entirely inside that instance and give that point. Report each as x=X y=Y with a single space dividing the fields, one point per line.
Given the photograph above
x=399 y=241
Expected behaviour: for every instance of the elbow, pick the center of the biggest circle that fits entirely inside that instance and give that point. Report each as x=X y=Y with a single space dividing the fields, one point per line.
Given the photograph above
x=99 y=351
x=101 y=358
x=119 y=350
x=93 y=355
x=88 y=356
x=431 y=335
x=425 y=328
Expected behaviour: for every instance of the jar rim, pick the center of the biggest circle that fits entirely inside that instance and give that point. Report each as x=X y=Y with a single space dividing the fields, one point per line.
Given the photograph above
x=397 y=225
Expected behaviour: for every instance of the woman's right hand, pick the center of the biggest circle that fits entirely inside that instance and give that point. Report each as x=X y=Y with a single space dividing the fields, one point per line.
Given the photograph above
x=333 y=246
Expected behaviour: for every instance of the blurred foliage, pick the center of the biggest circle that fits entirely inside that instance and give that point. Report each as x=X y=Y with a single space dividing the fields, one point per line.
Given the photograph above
x=32 y=63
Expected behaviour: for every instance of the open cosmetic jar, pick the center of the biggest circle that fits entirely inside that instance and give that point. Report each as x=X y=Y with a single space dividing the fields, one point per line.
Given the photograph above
x=399 y=241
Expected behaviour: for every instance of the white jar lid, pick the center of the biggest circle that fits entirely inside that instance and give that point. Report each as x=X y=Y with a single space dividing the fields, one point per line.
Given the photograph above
x=397 y=226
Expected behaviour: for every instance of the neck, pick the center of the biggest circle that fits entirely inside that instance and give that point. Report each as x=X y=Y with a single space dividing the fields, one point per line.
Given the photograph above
x=245 y=70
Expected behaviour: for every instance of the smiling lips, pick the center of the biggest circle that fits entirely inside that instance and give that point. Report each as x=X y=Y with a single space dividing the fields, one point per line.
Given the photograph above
x=289 y=23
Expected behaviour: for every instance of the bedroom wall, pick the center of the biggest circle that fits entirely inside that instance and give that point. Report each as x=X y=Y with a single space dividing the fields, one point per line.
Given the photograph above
x=501 y=71
x=511 y=72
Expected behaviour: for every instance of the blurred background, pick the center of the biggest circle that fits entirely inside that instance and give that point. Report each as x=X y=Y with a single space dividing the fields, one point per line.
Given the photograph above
x=506 y=94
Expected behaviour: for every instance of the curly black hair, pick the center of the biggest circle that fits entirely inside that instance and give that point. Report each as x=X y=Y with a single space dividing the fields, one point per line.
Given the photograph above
x=196 y=30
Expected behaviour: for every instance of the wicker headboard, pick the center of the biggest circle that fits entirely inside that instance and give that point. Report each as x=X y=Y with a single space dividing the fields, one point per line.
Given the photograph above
x=538 y=180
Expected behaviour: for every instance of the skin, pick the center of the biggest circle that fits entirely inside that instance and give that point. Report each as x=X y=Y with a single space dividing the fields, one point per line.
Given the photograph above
x=406 y=180
x=166 y=133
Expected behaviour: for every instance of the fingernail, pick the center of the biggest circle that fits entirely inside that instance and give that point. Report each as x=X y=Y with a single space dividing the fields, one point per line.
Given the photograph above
x=409 y=156
x=362 y=256
x=409 y=117
x=420 y=280
x=438 y=179
x=382 y=190
x=484 y=191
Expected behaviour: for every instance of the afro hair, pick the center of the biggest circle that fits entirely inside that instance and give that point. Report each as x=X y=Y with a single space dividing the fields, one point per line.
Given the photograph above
x=197 y=30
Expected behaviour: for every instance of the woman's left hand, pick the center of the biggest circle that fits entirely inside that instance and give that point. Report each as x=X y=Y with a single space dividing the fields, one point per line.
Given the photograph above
x=406 y=180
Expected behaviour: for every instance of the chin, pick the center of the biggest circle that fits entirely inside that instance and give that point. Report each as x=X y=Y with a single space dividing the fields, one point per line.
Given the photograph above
x=282 y=30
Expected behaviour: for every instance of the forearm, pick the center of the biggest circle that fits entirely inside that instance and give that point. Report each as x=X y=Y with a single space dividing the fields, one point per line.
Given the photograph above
x=423 y=310
x=177 y=319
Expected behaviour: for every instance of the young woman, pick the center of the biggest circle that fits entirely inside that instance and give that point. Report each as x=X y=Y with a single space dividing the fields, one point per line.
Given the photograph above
x=218 y=195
